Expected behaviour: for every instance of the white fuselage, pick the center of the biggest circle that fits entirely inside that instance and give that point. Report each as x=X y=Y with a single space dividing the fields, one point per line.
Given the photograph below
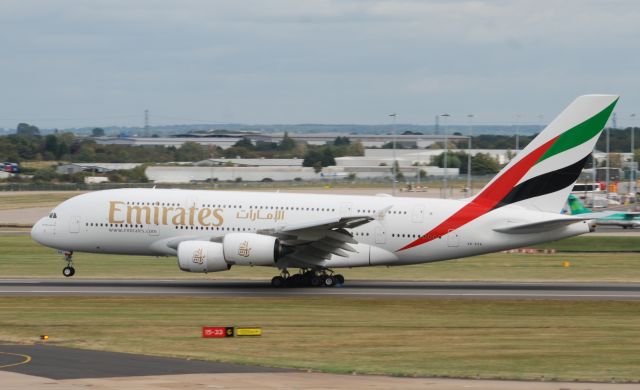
x=147 y=221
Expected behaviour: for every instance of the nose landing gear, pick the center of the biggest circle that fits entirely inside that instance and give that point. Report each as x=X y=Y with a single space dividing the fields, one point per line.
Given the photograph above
x=68 y=271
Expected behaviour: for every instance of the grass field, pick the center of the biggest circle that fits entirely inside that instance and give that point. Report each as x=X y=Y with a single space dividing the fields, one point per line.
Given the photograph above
x=20 y=200
x=586 y=340
x=510 y=339
x=589 y=243
x=21 y=257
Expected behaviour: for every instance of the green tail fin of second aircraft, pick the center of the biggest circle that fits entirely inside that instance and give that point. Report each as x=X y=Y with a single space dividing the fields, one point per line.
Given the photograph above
x=575 y=206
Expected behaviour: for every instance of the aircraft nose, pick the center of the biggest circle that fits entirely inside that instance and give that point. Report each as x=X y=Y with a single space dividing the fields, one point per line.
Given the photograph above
x=38 y=232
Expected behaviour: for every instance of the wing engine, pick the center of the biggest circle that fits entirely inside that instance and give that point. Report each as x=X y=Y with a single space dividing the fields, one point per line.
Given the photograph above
x=234 y=248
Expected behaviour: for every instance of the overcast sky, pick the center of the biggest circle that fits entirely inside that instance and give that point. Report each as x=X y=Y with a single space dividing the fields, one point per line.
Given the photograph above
x=72 y=63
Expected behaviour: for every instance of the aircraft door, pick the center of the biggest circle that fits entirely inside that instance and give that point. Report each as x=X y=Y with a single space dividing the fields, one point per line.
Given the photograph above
x=417 y=214
x=345 y=209
x=381 y=235
x=453 y=240
x=74 y=224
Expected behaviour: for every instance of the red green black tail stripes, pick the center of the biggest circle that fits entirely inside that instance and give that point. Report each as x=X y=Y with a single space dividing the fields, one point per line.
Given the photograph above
x=544 y=184
x=487 y=199
x=581 y=133
x=507 y=189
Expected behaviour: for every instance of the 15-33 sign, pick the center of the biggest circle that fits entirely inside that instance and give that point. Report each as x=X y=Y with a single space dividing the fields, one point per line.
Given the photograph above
x=217 y=331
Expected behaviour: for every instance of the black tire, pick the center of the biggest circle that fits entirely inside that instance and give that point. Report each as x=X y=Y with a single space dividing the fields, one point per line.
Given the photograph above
x=316 y=281
x=329 y=281
x=339 y=279
x=68 y=271
x=298 y=280
x=277 y=281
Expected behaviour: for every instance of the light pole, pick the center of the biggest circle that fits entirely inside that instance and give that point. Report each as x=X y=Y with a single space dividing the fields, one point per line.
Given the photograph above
x=418 y=184
x=632 y=172
x=517 y=133
x=469 y=189
x=607 y=171
x=446 y=147
x=393 y=169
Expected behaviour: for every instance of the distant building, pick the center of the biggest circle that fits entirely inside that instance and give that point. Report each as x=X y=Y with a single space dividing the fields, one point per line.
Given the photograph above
x=70 y=169
x=252 y=162
x=423 y=156
x=95 y=179
x=225 y=141
x=177 y=174
x=362 y=169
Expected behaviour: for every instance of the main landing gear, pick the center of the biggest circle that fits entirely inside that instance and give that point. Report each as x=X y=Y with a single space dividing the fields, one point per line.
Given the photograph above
x=308 y=278
x=68 y=271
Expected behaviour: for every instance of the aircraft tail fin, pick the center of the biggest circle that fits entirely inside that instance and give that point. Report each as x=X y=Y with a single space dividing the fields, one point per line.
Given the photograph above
x=576 y=207
x=541 y=176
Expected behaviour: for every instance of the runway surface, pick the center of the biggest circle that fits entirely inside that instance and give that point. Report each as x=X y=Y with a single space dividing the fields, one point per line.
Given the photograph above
x=451 y=290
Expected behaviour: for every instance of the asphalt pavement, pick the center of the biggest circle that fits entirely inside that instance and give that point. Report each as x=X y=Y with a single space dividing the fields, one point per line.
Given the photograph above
x=238 y=288
x=55 y=362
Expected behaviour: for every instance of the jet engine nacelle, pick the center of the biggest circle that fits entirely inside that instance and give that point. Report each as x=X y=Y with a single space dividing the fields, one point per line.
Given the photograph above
x=201 y=256
x=251 y=249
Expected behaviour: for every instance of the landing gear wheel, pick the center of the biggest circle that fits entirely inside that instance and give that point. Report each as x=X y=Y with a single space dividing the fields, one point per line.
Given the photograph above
x=339 y=279
x=329 y=281
x=68 y=271
x=277 y=281
x=315 y=281
x=296 y=280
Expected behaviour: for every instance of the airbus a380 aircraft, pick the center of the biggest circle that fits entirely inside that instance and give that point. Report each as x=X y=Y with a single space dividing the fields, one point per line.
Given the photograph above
x=210 y=231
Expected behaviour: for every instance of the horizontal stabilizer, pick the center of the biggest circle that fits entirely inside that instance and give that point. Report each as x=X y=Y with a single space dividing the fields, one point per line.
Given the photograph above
x=539 y=227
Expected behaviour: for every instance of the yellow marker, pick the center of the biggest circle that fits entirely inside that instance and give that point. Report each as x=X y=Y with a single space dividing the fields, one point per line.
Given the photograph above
x=566 y=264
x=248 y=331
x=44 y=337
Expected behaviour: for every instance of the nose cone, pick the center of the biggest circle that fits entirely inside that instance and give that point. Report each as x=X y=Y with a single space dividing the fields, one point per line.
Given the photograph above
x=38 y=232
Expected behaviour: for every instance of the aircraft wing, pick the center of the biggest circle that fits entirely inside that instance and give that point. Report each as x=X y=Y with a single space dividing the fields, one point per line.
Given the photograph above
x=599 y=214
x=542 y=226
x=316 y=241
x=308 y=242
x=622 y=215
x=327 y=224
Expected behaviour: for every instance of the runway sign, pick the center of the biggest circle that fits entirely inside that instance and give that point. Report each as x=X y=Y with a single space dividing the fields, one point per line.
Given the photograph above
x=248 y=331
x=217 y=331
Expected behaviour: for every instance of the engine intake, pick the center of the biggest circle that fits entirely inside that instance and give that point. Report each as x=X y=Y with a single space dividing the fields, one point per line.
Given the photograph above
x=251 y=249
x=201 y=256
